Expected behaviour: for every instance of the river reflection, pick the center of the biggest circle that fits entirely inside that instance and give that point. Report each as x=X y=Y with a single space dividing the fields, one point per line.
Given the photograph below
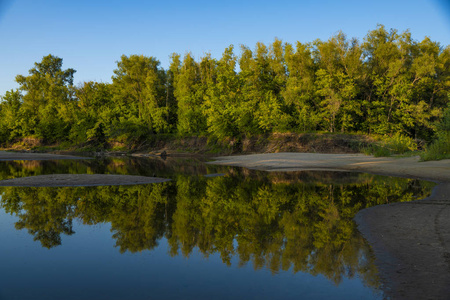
x=281 y=222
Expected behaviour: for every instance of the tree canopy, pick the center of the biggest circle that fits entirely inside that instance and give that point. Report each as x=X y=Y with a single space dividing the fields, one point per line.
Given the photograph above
x=387 y=84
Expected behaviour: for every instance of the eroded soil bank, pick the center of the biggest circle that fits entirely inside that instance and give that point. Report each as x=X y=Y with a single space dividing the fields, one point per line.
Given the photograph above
x=411 y=241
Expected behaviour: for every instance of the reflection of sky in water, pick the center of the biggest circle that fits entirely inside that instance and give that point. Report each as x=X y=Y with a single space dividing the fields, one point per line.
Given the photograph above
x=272 y=220
x=88 y=264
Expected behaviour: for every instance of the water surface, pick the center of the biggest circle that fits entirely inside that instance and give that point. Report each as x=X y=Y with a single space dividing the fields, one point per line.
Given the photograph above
x=213 y=232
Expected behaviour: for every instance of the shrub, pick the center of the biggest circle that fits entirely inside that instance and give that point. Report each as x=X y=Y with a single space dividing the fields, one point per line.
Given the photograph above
x=439 y=149
x=396 y=144
x=399 y=144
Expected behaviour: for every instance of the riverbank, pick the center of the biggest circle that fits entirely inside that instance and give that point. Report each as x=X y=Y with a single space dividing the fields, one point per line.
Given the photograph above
x=411 y=241
x=62 y=180
x=203 y=145
x=10 y=155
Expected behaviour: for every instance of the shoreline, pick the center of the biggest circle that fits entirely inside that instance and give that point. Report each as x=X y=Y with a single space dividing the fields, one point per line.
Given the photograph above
x=9 y=155
x=75 y=180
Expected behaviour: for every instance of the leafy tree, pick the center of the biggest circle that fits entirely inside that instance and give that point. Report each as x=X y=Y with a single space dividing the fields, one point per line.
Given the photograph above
x=300 y=92
x=10 y=116
x=429 y=76
x=94 y=114
x=189 y=91
x=171 y=99
x=48 y=99
x=139 y=96
x=223 y=97
x=337 y=81
x=263 y=76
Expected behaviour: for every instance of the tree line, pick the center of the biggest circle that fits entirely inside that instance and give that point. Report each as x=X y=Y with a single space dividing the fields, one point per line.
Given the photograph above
x=389 y=83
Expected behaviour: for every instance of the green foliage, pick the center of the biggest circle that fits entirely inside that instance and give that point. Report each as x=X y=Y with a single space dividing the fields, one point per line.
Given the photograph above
x=399 y=144
x=377 y=151
x=139 y=95
x=440 y=148
x=48 y=104
x=10 y=117
x=223 y=98
x=395 y=144
x=388 y=83
x=191 y=84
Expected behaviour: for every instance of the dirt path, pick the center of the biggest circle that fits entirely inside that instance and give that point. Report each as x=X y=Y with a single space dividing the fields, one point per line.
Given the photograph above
x=411 y=241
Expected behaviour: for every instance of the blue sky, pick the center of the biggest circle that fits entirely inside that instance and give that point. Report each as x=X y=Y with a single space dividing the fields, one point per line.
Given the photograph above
x=90 y=36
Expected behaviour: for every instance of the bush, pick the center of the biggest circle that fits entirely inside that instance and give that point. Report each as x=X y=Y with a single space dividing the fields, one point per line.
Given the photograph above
x=396 y=144
x=399 y=144
x=439 y=149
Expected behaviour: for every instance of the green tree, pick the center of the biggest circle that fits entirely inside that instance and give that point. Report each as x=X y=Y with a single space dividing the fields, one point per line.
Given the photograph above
x=139 y=95
x=10 y=116
x=388 y=59
x=172 y=101
x=337 y=81
x=263 y=75
x=94 y=114
x=300 y=86
x=48 y=101
x=223 y=97
x=189 y=91
x=429 y=79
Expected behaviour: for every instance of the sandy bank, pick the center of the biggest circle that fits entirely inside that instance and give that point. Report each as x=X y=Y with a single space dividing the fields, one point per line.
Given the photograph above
x=57 y=180
x=7 y=155
x=411 y=241
x=404 y=167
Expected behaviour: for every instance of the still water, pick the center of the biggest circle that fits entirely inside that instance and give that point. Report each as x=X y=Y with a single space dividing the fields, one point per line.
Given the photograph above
x=212 y=232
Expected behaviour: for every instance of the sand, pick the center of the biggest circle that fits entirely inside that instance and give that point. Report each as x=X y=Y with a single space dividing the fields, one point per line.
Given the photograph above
x=59 y=180
x=56 y=180
x=8 y=155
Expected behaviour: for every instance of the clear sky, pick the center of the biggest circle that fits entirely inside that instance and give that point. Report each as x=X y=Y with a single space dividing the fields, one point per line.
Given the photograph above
x=91 y=35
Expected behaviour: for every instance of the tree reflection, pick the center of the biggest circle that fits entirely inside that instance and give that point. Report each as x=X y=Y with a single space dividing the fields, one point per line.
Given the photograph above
x=280 y=221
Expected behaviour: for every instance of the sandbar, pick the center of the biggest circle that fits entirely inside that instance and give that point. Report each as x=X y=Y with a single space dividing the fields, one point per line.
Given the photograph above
x=10 y=155
x=61 y=180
